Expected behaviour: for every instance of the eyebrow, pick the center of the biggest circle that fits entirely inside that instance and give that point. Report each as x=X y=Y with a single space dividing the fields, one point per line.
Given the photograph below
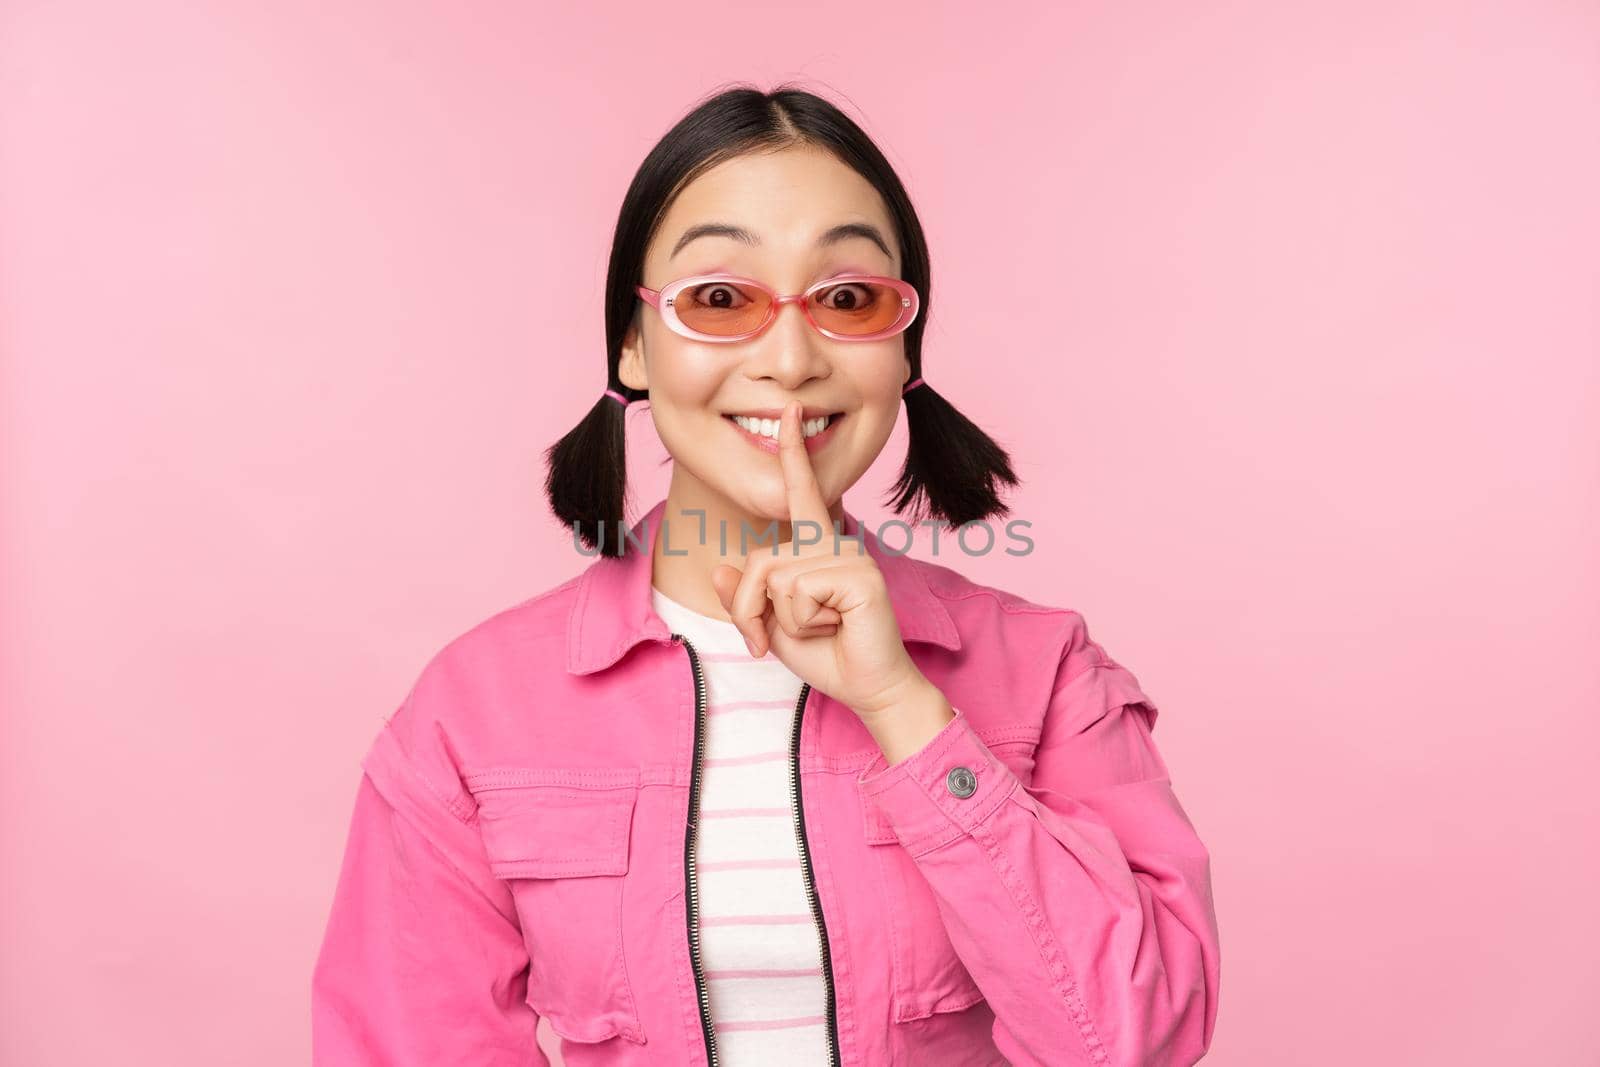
x=842 y=232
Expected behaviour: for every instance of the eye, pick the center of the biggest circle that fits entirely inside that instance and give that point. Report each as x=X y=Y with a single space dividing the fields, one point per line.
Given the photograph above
x=848 y=296
x=718 y=296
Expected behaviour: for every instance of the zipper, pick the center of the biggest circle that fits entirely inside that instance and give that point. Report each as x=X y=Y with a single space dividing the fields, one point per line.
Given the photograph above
x=692 y=895
x=702 y=993
x=810 y=883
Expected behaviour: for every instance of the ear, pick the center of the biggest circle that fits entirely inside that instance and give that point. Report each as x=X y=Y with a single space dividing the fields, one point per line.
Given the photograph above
x=631 y=369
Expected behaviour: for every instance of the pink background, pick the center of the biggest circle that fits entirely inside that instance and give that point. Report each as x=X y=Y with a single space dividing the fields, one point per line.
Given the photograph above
x=1287 y=312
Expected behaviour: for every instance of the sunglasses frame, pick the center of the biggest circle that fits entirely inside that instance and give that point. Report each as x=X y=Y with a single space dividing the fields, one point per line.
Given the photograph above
x=662 y=300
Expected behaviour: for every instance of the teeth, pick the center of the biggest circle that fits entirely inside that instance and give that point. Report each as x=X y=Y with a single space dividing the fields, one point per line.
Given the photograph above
x=769 y=427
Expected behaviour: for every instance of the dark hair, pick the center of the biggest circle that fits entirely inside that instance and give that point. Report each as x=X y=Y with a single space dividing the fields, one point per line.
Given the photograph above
x=952 y=467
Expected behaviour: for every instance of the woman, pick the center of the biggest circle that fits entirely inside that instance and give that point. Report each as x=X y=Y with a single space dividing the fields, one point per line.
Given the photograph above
x=800 y=799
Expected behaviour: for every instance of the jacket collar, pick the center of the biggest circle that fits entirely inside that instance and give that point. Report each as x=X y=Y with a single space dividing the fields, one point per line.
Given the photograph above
x=613 y=612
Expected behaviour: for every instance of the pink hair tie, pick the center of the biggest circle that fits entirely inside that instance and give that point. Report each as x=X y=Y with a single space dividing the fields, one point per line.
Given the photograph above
x=620 y=398
x=912 y=384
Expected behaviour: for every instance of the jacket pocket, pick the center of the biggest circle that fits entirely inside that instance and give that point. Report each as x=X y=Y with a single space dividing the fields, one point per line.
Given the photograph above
x=560 y=840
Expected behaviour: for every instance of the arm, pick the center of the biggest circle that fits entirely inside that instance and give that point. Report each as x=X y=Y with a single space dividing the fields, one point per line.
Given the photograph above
x=1081 y=903
x=422 y=961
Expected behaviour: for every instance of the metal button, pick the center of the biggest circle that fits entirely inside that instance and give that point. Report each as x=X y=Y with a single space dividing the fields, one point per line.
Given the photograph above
x=961 y=782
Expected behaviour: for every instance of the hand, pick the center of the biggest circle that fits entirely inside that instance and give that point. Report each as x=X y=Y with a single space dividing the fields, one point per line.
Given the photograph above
x=823 y=608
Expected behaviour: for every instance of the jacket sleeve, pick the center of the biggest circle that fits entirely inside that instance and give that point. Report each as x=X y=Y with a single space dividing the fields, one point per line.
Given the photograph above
x=1080 y=903
x=422 y=961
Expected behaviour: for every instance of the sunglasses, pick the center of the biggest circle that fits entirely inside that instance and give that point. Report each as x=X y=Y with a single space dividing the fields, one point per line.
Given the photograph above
x=725 y=307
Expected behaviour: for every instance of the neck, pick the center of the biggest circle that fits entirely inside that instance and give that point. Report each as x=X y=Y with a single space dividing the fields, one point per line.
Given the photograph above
x=701 y=529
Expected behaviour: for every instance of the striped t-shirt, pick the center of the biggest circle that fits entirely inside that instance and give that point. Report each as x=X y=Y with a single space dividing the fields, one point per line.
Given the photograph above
x=759 y=945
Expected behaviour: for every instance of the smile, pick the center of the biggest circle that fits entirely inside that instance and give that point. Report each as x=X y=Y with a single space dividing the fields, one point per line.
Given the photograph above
x=762 y=431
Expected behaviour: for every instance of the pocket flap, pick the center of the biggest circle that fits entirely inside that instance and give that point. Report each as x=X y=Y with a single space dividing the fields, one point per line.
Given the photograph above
x=556 y=831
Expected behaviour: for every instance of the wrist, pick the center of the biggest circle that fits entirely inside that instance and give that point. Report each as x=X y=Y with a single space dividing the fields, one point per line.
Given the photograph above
x=910 y=720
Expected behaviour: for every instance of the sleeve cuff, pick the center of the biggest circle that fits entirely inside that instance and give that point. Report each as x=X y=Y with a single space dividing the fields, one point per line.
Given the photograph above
x=920 y=798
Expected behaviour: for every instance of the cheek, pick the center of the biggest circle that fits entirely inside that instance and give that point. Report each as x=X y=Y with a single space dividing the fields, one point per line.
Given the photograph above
x=684 y=377
x=874 y=425
x=685 y=382
x=878 y=381
x=877 y=385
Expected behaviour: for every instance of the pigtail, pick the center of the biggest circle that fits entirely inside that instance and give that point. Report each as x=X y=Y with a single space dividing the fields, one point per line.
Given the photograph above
x=588 y=475
x=953 y=469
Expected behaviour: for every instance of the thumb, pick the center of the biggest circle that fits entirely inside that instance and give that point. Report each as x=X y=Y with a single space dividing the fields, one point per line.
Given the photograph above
x=725 y=580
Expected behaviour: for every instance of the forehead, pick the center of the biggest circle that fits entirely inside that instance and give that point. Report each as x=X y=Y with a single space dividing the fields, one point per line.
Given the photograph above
x=786 y=198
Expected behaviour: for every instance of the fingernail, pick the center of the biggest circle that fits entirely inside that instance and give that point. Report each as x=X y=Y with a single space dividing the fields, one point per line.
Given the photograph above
x=751 y=645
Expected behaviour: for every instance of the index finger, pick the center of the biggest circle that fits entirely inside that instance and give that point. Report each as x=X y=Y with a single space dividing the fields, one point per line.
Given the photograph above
x=799 y=478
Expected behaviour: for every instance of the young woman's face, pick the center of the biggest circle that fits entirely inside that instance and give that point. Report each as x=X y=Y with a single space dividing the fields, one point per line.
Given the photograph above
x=786 y=200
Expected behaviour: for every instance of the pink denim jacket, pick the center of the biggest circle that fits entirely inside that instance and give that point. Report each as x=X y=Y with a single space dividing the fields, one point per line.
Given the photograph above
x=1025 y=888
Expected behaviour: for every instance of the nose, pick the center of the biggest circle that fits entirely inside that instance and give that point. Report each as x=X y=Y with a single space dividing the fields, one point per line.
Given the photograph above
x=789 y=351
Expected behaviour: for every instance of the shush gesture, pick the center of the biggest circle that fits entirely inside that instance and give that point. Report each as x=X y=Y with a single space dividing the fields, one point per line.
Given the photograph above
x=822 y=608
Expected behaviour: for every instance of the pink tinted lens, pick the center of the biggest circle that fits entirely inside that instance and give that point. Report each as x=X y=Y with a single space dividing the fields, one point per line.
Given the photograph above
x=857 y=308
x=723 y=309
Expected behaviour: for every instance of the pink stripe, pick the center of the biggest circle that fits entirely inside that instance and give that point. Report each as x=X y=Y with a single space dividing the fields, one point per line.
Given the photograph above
x=746 y=865
x=766 y=972
x=771 y=1024
x=734 y=657
x=740 y=761
x=753 y=920
x=742 y=705
x=744 y=813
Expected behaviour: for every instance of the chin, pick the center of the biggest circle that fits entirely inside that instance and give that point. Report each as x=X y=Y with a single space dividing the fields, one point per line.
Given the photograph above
x=774 y=507
x=771 y=505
